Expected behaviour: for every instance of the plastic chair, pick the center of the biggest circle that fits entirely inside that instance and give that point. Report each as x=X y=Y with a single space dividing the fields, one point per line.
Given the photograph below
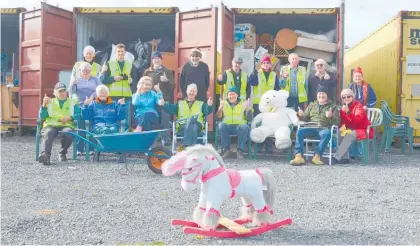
x=217 y=136
x=327 y=154
x=396 y=126
x=289 y=151
x=203 y=136
x=375 y=117
x=39 y=123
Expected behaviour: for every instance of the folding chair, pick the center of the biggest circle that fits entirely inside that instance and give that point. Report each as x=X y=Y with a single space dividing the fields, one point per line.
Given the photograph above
x=217 y=136
x=203 y=136
x=327 y=154
x=38 y=139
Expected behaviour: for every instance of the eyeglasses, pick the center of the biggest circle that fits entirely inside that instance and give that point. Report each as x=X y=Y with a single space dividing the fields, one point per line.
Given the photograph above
x=344 y=97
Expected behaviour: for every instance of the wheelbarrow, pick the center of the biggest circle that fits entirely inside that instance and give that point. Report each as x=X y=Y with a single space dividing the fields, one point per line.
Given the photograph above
x=129 y=142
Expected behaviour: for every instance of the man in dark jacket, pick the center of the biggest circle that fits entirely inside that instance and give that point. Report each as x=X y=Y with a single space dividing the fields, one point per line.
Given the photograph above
x=195 y=72
x=321 y=78
x=163 y=76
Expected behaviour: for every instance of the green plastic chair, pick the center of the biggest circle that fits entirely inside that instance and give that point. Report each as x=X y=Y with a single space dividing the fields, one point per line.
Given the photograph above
x=217 y=136
x=375 y=117
x=38 y=139
x=396 y=126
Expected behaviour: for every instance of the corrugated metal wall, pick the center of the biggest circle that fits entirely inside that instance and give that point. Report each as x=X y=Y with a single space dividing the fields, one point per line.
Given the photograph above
x=378 y=56
x=86 y=28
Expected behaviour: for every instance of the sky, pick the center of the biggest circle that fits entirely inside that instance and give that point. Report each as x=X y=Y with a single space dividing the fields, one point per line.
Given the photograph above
x=362 y=17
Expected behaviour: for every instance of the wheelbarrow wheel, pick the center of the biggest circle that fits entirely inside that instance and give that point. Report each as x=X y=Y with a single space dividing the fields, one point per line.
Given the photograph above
x=155 y=163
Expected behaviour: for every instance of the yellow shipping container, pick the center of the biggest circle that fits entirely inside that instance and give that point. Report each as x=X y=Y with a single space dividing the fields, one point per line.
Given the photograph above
x=390 y=59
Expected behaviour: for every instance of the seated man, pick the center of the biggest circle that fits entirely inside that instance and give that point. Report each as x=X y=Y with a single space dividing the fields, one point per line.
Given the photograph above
x=103 y=112
x=325 y=113
x=235 y=113
x=354 y=122
x=193 y=112
x=59 y=114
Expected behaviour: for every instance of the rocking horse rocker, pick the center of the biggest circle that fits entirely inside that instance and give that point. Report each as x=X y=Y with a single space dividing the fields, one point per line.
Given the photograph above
x=257 y=189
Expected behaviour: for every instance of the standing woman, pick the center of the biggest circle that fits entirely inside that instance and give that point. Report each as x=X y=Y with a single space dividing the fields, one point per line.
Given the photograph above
x=88 y=56
x=365 y=95
x=80 y=89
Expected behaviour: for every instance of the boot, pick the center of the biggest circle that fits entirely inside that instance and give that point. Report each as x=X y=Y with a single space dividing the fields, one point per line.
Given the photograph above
x=44 y=159
x=225 y=153
x=317 y=160
x=298 y=160
x=62 y=157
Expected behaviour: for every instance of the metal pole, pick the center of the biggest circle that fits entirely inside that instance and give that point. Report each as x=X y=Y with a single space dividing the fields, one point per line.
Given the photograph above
x=342 y=14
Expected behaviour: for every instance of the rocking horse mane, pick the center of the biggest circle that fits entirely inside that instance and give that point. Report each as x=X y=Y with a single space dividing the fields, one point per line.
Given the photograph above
x=203 y=148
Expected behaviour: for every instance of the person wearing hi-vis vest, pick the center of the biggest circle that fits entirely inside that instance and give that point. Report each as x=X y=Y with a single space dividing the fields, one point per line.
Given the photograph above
x=293 y=80
x=59 y=114
x=235 y=114
x=234 y=77
x=261 y=81
x=191 y=115
x=88 y=56
x=118 y=77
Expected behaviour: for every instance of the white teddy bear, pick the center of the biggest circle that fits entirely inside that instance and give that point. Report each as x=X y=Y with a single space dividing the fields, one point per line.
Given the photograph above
x=275 y=119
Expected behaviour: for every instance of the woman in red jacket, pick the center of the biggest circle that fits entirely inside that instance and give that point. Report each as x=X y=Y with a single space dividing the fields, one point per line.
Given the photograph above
x=354 y=117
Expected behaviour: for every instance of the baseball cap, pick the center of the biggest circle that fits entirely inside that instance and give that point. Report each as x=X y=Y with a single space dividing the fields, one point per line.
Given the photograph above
x=238 y=59
x=59 y=86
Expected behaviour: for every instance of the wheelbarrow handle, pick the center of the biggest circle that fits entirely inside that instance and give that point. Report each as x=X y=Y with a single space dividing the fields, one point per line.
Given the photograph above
x=82 y=138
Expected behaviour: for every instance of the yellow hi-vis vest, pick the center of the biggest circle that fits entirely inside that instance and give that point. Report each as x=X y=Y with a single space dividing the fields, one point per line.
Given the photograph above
x=234 y=115
x=120 y=88
x=230 y=81
x=55 y=113
x=96 y=68
x=184 y=111
x=301 y=78
x=263 y=85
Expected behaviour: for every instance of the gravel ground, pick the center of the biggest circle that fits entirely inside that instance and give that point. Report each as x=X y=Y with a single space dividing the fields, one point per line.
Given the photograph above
x=80 y=202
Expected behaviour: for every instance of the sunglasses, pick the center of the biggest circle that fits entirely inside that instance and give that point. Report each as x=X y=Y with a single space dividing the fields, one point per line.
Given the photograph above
x=344 y=97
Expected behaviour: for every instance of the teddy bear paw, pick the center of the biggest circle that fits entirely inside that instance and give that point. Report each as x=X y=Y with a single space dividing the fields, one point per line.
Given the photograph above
x=283 y=143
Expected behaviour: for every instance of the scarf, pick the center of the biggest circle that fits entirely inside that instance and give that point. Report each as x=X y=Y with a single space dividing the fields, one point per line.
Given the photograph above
x=365 y=91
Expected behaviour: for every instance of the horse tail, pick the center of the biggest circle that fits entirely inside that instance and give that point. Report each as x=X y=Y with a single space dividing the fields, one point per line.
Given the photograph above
x=270 y=182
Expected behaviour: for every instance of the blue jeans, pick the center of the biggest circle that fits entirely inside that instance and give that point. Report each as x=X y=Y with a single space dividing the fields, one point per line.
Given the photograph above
x=147 y=121
x=242 y=131
x=81 y=143
x=324 y=134
x=352 y=150
x=190 y=130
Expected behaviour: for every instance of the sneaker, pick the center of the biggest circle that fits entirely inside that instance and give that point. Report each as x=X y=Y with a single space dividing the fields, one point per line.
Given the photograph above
x=44 y=159
x=79 y=153
x=298 y=160
x=239 y=154
x=317 y=160
x=225 y=153
x=342 y=161
x=62 y=158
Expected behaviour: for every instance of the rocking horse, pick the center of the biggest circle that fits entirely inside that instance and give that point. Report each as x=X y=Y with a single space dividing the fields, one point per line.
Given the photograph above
x=202 y=164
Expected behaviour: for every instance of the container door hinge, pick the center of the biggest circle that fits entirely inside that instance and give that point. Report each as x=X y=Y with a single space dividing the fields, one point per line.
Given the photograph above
x=403 y=58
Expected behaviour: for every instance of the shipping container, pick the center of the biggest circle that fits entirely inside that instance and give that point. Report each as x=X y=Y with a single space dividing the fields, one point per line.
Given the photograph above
x=390 y=59
x=9 y=65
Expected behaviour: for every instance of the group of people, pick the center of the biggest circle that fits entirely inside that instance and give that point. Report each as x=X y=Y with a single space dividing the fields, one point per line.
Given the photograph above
x=104 y=95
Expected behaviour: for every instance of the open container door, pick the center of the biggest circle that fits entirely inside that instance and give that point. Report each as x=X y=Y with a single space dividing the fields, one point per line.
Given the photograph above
x=340 y=50
x=227 y=33
x=197 y=29
x=47 y=45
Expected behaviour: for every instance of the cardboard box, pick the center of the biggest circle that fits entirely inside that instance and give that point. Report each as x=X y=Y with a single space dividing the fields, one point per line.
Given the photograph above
x=244 y=28
x=250 y=41
x=239 y=40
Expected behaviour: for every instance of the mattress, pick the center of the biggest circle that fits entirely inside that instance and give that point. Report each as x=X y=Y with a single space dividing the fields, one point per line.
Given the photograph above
x=314 y=54
x=316 y=44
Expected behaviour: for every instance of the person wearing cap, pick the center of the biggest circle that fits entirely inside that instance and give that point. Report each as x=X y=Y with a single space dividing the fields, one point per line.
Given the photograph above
x=191 y=114
x=364 y=94
x=195 y=72
x=118 y=76
x=235 y=114
x=80 y=89
x=89 y=57
x=293 y=80
x=326 y=114
x=261 y=81
x=354 y=118
x=164 y=77
x=321 y=78
x=59 y=114
x=234 y=77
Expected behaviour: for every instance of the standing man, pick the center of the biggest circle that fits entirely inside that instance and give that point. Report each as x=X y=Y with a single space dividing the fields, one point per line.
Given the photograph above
x=321 y=79
x=119 y=78
x=195 y=72
x=163 y=77
x=293 y=80
x=234 y=77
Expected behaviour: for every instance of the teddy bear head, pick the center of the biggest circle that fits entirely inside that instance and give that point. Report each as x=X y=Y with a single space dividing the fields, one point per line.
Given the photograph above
x=273 y=100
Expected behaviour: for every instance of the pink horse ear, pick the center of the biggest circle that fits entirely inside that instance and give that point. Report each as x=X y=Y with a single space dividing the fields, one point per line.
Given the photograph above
x=174 y=164
x=210 y=157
